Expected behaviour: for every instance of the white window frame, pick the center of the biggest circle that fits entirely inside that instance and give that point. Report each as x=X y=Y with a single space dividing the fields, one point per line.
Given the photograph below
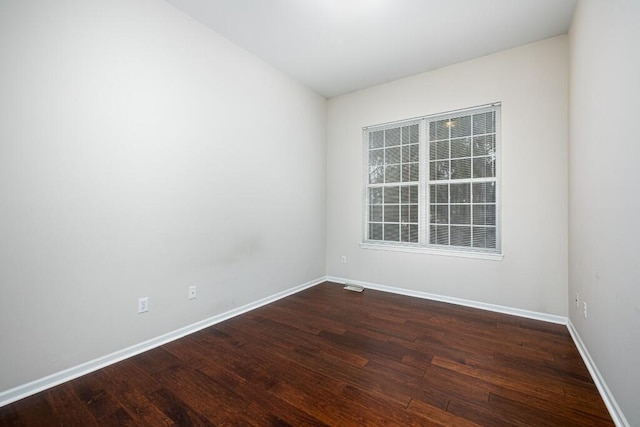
x=423 y=245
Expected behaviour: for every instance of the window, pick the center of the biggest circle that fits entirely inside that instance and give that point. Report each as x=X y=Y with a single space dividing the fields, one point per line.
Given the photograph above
x=433 y=181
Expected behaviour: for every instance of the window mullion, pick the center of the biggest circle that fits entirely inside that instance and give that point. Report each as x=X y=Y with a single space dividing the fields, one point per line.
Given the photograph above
x=449 y=186
x=423 y=188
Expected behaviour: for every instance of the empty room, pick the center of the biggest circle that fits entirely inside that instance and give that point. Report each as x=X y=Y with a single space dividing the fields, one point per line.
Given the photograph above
x=319 y=212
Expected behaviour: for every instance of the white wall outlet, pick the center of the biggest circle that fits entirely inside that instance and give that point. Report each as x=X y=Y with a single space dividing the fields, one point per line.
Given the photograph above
x=143 y=305
x=577 y=300
x=192 y=292
x=584 y=304
x=343 y=259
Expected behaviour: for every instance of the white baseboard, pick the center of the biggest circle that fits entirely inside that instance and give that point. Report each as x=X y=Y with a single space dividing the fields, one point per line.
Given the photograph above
x=25 y=390
x=614 y=410
x=33 y=387
x=562 y=320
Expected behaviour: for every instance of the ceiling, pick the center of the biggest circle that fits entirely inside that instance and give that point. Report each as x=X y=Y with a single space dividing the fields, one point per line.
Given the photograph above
x=340 y=46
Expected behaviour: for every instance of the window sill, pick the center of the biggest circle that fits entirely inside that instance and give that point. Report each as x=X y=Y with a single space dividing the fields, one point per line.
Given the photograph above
x=433 y=251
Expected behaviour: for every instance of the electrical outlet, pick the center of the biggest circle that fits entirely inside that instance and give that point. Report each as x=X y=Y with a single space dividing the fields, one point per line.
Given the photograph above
x=143 y=305
x=577 y=300
x=584 y=304
x=192 y=292
x=343 y=259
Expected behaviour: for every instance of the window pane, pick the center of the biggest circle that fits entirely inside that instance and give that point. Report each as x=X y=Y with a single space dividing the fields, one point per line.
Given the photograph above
x=376 y=174
x=484 y=237
x=439 y=170
x=391 y=213
x=484 y=192
x=461 y=169
x=376 y=157
x=439 y=235
x=414 y=172
x=439 y=214
x=404 y=194
x=375 y=231
x=483 y=123
x=491 y=121
x=409 y=233
x=406 y=153
x=484 y=214
x=392 y=155
x=415 y=153
x=375 y=196
x=479 y=237
x=391 y=195
x=376 y=139
x=439 y=130
x=479 y=123
x=411 y=134
x=439 y=150
x=439 y=193
x=392 y=173
x=479 y=214
x=392 y=137
x=413 y=233
x=413 y=194
x=404 y=213
x=484 y=167
x=461 y=193
x=409 y=194
x=406 y=134
x=392 y=232
x=461 y=147
x=404 y=233
x=415 y=134
x=484 y=145
x=410 y=172
x=413 y=213
x=460 y=126
x=461 y=214
x=460 y=236
x=375 y=213
x=490 y=214
x=491 y=238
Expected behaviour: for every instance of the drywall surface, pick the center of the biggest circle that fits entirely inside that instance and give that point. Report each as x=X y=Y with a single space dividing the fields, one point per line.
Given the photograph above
x=140 y=154
x=531 y=83
x=604 y=207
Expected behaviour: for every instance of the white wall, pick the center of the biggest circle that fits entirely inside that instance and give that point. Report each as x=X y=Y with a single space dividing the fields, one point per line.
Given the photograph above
x=141 y=153
x=604 y=206
x=531 y=82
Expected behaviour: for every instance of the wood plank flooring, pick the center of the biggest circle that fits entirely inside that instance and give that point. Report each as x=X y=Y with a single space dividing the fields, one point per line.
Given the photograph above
x=326 y=356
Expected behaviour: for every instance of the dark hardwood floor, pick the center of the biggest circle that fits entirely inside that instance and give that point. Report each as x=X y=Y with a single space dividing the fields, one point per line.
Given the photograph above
x=327 y=356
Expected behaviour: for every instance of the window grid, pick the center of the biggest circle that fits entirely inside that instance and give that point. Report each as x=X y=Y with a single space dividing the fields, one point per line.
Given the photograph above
x=449 y=224
x=392 y=198
x=452 y=201
x=462 y=151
